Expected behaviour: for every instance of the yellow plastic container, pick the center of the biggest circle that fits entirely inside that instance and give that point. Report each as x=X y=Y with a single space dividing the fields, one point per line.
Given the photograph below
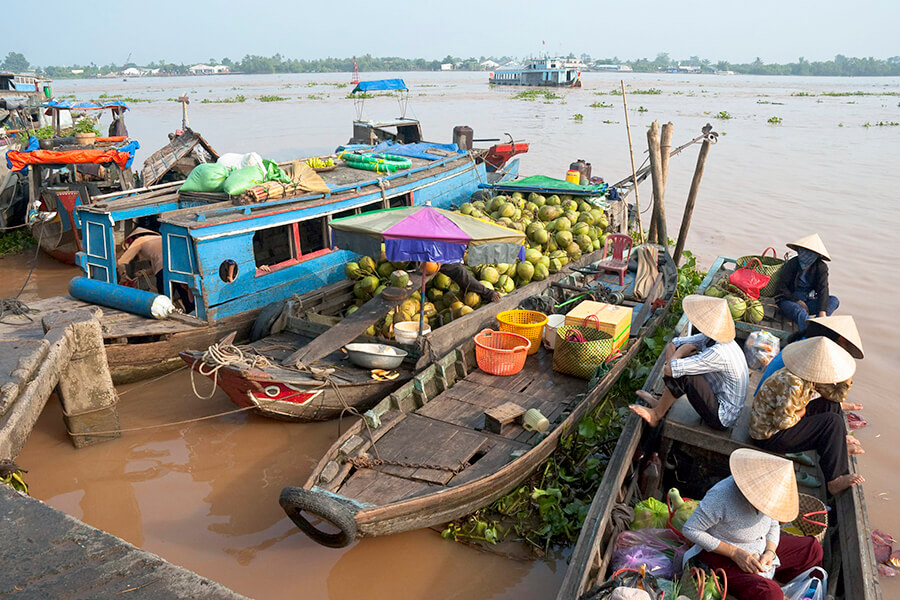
x=527 y=323
x=573 y=176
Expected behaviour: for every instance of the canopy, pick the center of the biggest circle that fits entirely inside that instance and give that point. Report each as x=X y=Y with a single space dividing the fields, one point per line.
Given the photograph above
x=548 y=185
x=425 y=233
x=422 y=150
x=123 y=156
x=84 y=105
x=380 y=85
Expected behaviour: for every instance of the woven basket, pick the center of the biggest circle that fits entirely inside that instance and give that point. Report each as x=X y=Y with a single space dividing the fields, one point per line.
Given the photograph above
x=813 y=517
x=581 y=359
x=527 y=323
x=771 y=266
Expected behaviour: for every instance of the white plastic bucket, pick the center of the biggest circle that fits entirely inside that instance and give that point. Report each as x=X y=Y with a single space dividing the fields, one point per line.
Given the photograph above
x=406 y=332
x=553 y=321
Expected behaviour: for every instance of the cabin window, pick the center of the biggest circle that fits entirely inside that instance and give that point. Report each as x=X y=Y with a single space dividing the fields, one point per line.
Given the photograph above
x=370 y=207
x=313 y=236
x=344 y=213
x=273 y=245
x=402 y=200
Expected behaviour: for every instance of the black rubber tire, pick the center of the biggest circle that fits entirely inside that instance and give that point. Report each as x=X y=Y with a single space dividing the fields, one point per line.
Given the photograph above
x=262 y=326
x=294 y=500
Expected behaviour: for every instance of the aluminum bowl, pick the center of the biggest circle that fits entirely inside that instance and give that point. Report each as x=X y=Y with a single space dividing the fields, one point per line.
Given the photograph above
x=375 y=356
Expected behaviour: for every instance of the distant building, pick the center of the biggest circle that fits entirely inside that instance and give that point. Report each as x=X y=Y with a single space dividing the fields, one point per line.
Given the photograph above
x=134 y=72
x=615 y=68
x=446 y=66
x=77 y=71
x=208 y=69
x=489 y=64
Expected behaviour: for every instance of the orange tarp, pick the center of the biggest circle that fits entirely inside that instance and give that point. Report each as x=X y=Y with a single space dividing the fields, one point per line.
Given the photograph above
x=19 y=160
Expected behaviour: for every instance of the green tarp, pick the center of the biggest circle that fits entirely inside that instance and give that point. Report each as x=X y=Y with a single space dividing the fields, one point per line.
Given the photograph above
x=549 y=183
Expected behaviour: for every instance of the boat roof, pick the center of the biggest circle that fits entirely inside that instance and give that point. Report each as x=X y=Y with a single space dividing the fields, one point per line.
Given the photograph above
x=160 y=162
x=82 y=106
x=380 y=85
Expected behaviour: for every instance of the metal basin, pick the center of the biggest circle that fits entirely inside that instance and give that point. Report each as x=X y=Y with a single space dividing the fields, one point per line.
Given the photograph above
x=375 y=356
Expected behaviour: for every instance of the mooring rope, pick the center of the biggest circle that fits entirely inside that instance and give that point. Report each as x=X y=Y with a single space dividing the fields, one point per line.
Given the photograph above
x=14 y=306
x=220 y=355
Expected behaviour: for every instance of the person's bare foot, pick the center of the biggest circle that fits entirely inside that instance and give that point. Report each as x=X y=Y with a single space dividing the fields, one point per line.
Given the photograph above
x=647 y=397
x=855 y=450
x=843 y=482
x=845 y=406
x=645 y=413
x=852 y=441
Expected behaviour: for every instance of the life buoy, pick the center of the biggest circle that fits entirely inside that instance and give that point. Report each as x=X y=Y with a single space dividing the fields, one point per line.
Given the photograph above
x=295 y=501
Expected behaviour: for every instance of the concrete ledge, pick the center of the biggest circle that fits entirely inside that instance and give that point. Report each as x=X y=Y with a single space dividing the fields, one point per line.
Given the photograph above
x=46 y=553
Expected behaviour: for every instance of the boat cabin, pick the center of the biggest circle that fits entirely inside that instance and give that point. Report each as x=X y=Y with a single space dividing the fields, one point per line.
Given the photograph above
x=543 y=72
x=235 y=258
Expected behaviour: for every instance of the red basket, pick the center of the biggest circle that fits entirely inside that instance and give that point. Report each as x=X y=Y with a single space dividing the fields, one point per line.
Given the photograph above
x=501 y=352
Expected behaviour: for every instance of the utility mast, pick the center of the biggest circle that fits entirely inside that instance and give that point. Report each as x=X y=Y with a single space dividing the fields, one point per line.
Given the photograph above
x=355 y=79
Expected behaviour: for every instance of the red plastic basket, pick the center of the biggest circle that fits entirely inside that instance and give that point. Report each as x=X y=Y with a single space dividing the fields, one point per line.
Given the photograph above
x=501 y=352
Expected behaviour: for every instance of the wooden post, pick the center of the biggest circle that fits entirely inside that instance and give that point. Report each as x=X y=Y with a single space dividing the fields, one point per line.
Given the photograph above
x=637 y=202
x=659 y=211
x=85 y=386
x=692 y=197
x=665 y=146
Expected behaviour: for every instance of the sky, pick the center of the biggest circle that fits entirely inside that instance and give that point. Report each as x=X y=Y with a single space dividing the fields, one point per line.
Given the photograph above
x=190 y=31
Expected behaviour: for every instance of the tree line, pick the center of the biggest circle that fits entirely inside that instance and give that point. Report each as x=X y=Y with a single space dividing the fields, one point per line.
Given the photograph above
x=251 y=63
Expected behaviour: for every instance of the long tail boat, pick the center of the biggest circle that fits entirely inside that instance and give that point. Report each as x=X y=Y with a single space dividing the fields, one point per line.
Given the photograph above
x=684 y=441
x=423 y=455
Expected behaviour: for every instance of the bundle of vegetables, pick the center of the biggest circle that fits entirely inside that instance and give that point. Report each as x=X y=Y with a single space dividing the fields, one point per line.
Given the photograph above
x=650 y=513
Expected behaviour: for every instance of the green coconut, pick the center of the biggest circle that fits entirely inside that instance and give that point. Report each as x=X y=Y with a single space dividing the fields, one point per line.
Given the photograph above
x=490 y=274
x=736 y=305
x=548 y=213
x=502 y=268
x=580 y=228
x=367 y=264
x=563 y=224
x=542 y=236
x=714 y=292
x=472 y=299
x=754 y=312
x=442 y=282
x=466 y=208
x=525 y=270
x=564 y=238
x=533 y=256
x=399 y=278
x=554 y=200
x=540 y=273
x=555 y=265
x=352 y=271
x=488 y=284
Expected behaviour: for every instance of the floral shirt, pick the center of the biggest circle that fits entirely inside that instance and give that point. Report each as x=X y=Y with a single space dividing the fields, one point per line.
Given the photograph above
x=781 y=399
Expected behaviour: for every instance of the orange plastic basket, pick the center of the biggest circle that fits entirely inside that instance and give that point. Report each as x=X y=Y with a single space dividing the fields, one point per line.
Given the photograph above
x=527 y=323
x=500 y=352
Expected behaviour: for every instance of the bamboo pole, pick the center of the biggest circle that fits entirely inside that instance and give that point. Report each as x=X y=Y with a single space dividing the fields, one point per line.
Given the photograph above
x=634 y=180
x=665 y=145
x=659 y=214
x=692 y=197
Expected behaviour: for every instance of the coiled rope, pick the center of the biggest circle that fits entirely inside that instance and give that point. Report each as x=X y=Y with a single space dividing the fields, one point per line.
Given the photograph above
x=221 y=355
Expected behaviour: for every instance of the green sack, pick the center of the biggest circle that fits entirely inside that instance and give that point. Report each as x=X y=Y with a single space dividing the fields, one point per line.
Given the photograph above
x=650 y=514
x=243 y=179
x=208 y=177
x=274 y=172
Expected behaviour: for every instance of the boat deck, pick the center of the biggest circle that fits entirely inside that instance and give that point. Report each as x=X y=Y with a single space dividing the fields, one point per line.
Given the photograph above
x=453 y=423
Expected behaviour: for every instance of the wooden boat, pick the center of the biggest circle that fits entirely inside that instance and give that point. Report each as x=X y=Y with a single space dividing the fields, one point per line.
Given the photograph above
x=422 y=455
x=279 y=390
x=683 y=440
x=538 y=72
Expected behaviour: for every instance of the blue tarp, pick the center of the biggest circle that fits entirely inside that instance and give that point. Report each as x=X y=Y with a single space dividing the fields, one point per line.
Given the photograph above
x=84 y=105
x=417 y=150
x=380 y=85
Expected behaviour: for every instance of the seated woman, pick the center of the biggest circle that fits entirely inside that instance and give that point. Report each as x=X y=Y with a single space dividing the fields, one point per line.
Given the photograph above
x=736 y=527
x=803 y=288
x=799 y=408
x=709 y=368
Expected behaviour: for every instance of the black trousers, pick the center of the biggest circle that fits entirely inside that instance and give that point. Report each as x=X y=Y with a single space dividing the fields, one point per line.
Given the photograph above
x=821 y=429
x=699 y=394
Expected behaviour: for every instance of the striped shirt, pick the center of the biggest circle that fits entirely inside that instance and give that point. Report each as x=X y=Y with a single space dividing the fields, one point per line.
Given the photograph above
x=724 y=368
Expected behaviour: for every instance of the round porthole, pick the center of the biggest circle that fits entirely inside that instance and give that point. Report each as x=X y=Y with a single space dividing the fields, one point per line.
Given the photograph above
x=228 y=271
x=272 y=391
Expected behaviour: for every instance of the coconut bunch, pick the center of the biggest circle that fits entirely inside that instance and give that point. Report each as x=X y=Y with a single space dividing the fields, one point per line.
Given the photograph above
x=742 y=307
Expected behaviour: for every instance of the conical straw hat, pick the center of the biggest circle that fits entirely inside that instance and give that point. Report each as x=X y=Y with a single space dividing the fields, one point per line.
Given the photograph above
x=141 y=231
x=710 y=315
x=819 y=360
x=811 y=242
x=844 y=326
x=767 y=482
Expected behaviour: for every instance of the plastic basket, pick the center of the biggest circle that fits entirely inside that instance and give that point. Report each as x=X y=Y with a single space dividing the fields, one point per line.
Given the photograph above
x=527 y=323
x=501 y=352
x=813 y=517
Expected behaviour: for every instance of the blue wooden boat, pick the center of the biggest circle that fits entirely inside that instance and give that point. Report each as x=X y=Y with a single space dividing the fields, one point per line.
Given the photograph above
x=234 y=259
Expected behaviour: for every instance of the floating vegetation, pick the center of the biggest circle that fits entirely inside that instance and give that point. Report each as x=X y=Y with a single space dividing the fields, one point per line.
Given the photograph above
x=315 y=97
x=647 y=92
x=641 y=109
x=16 y=241
x=769 y=102
x=578 y=117
x=882 y=124
x=608 y=122
x=860 y=93
x=601 y=105
x=270 y=98
x=232 y=100
x=723 y=114
x=774 y=120
x=677 y=93
x=802 y=94
x=532 y=95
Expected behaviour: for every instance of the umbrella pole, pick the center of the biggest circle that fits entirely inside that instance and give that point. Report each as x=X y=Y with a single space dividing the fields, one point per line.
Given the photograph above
x=422 y=268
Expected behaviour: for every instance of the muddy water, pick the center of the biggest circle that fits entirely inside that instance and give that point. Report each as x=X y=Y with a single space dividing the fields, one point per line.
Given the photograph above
x=204 y=495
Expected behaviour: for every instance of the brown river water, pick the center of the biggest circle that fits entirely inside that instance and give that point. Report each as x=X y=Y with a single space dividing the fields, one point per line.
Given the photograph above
x=204 y=495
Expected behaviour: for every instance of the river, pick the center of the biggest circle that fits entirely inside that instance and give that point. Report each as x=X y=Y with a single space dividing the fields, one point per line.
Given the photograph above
x=204 y=495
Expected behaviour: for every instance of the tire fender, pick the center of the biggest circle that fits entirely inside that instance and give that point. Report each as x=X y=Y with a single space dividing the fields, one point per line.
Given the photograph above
x=296 y=500
x=262 y=326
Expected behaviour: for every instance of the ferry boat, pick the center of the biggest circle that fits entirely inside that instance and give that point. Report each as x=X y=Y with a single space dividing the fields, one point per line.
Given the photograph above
x=540 y=72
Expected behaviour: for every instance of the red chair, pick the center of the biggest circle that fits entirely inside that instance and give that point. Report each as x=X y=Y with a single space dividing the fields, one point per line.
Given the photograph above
x=620 y=245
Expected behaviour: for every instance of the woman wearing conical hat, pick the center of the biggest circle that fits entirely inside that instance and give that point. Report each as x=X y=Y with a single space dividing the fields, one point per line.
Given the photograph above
x=791 y=414
x=736 y=527
x=803 y=288
x=709 y=368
